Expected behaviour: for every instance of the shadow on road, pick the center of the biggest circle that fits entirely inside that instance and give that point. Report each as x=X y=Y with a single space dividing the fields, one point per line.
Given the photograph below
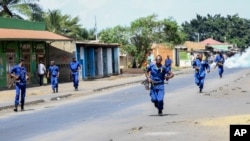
x=163 y=115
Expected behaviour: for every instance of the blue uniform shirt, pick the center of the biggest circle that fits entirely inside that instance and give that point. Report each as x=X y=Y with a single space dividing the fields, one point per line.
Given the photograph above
x=53 y=70
x=219 y=58
x=21 y=72
x=168 y=62
x=157 y=74
x=74 y=66
x=202 y=65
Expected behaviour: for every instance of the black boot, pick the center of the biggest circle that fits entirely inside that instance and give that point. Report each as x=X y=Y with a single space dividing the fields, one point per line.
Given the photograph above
x=15 y=109
x=22 y=107
x=160 y=112
x=156 y=104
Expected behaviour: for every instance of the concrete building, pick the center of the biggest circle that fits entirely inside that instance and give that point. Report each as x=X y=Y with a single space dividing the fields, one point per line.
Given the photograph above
x=98 y=59
x=24 y=39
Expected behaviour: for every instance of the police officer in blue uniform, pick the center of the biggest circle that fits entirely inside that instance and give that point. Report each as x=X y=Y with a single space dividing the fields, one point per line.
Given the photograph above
x=219 y=60
x=53 y=73
x=19 y=73
x=74 y=69
x=200 y=67
x=156 y=74
x=168 y=63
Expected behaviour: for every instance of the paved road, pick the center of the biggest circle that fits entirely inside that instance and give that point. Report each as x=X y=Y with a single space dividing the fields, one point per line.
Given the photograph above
x=121 y=114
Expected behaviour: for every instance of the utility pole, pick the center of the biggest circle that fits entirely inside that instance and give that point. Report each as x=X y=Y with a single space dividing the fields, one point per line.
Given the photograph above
x=198 y=36
x=95 y=29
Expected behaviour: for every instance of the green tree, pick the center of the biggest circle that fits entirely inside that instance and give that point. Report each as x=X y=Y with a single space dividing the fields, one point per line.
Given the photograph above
x=138 y=38
x=83 y=34
x=21 y=9
x=91 y=34
x=231 y=29
x=118 y=34
x=64 y=25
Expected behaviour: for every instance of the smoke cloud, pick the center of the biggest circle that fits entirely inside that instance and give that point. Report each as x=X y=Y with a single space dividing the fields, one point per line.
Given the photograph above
x=239 y=60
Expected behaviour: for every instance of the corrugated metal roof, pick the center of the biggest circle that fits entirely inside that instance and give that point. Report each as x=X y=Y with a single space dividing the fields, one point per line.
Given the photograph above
x=96 y=43
x=222 y=47
x=18 y=34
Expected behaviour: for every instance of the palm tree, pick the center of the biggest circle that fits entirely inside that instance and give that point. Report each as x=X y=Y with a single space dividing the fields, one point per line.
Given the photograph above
x=21 y=9
x=64 y=24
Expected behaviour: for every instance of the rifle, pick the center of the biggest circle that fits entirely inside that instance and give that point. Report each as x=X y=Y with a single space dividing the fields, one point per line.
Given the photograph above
x=14 y=80
x=146 y=83
x=219 y=63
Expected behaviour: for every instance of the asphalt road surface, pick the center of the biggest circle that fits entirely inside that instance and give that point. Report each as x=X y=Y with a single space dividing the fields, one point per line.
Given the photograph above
x=126 y=113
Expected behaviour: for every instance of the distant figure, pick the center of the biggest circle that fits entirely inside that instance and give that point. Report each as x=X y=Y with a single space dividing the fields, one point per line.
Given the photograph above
x=74 y=69
x=53 y=73
x=41 y=72
x=219 y=60
x=211 y=59
x=150 y=58
x=168 y=63
x=200 y=67
x=192 y=58
x=19 y=73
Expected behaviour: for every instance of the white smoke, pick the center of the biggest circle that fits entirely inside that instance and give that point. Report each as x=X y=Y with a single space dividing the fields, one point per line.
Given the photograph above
x=239 y=60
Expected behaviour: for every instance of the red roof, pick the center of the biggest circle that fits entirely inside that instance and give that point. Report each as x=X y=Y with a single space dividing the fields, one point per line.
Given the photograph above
x=210 y=41
x=19 y=34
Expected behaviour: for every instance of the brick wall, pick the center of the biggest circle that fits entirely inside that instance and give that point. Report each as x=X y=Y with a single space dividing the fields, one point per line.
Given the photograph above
x=62 y=53
x=164 y=50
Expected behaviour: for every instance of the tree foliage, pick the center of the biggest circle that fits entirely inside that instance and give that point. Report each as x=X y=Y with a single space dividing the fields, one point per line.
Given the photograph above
x=21 y=9
x=64 y=25
x=138 y=38
x=117 y=34
x=232 y=29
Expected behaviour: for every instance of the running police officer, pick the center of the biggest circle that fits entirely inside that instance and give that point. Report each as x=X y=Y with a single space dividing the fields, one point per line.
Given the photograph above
x=156 y=74
x=219 y=60
x=200 y=67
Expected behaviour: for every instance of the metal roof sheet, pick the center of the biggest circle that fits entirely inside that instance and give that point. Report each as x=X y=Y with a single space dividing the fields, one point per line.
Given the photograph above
x=19 y=34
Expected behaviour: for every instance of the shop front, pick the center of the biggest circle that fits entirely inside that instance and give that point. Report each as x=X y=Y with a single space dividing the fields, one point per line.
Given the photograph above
x=31 y=45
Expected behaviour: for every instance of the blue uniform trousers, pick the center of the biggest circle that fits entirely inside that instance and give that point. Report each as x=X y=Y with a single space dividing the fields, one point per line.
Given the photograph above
x=75 y=79
x=220 y=70
x=20 y=88
x=199 y=80
x=157 y=95
x=54 y=82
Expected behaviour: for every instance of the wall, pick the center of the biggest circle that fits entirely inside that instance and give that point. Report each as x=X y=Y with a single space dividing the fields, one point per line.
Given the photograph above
x=163 y=50
x=11 y=51
x=21 y=24
x=126 y=61
x=185 y=59
x=62 y=53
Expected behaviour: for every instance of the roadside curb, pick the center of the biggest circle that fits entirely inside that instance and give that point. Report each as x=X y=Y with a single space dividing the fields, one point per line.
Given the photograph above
x=60 y=97
x=26 y=103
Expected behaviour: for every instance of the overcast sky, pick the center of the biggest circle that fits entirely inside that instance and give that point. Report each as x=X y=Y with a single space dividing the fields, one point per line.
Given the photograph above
x=110 y=13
